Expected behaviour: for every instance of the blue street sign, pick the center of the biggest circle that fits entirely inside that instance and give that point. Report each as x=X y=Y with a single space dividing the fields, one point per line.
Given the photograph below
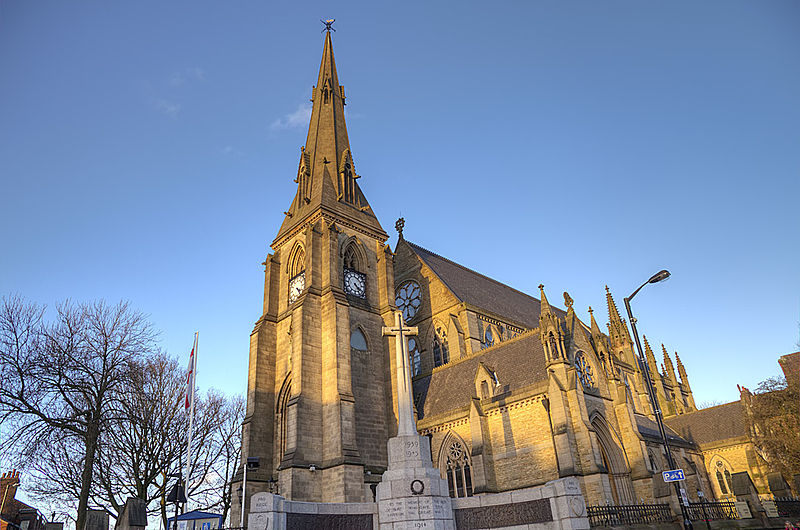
x=673 y=475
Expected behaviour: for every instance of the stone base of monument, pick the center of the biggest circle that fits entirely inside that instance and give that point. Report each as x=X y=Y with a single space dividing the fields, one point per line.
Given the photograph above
x=412 y=494
x=273 y=512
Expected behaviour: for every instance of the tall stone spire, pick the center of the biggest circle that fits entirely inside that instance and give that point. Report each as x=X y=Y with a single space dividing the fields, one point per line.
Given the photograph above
x=600 y=345
x=550 y=330
x=685 y=383
x=651 y=361
x=326 y=175
x=670 y=368
x=617 y=328
x=682 y=372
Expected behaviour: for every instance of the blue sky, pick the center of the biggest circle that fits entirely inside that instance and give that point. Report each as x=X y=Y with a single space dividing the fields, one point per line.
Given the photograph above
x=147 y=152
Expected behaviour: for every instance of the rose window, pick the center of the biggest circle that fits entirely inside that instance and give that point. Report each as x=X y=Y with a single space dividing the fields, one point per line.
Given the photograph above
x=408 y=299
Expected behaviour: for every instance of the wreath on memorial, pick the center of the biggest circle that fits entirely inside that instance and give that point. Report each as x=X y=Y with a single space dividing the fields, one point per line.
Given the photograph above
x=417 y=487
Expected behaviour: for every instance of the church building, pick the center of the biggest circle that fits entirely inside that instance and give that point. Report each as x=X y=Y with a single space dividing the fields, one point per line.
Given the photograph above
x=511 y=390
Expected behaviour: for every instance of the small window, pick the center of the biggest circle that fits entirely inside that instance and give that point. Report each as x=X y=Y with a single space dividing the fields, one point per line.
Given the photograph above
x=413 y=356
x=441 y=351
x=488 y=338
x=358 y=341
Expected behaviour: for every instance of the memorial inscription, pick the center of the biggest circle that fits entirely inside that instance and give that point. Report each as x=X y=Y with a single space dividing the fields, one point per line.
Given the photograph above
x=320 y=521
x=537 y=511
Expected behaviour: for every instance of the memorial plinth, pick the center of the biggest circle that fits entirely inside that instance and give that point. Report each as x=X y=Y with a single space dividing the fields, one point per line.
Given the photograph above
x=412 y=495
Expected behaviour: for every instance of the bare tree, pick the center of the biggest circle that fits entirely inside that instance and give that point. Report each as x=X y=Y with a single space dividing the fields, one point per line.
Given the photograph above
x=145 y=443
x=62 y=382
x=224 y=449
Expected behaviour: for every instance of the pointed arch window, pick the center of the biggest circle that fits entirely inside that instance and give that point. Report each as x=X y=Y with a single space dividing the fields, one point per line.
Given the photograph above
x=724 y=479
x=441 y=350
x=358 y=341
x=488 y=337
x=584 y=369
x=455 y=463
x=413 y=356
x=282 y=418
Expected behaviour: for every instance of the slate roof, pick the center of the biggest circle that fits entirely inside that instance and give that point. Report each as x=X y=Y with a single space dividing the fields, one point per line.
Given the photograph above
x=518 y=363
x=712 y=424
x=649 y=429
x=483 y=292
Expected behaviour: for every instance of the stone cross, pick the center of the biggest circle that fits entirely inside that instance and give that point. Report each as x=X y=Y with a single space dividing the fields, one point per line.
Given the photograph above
x=405 y=403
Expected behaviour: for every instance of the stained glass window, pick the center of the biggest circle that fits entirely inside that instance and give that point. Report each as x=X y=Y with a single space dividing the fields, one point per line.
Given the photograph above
x=585 y=372
x=408 y=299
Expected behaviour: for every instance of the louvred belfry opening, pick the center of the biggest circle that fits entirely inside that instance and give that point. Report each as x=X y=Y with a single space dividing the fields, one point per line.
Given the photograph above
x=326 y=174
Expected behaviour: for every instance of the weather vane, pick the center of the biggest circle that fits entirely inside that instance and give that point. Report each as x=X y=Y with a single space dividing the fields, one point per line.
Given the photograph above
x=328 y=24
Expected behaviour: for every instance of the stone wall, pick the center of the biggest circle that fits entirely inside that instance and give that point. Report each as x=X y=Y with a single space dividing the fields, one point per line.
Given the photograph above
x=558 y=504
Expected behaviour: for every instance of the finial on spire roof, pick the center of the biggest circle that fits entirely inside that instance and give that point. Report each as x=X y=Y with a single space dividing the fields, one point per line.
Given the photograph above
x=568 y=301
x=328 y=24
x=399 y=227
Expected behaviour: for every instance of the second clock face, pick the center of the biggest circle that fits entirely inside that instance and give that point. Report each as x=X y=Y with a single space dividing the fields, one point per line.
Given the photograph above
x=296 y=286
x=355 y=283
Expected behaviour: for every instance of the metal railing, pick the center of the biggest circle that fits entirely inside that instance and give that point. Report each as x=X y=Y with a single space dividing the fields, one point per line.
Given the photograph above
x=710 y=511
x=788 y=506
x=629 y=514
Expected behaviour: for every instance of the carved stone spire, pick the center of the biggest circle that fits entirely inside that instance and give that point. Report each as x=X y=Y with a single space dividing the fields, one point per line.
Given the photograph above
x=600 y=345
x=617 y=328
x=682 y=372
x=651 y=361
x=670 y=368
x=549 y=330
x=326 y=176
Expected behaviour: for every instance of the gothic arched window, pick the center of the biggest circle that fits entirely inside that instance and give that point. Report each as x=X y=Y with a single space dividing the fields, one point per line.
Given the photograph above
x=724 y=479
x=488 y=337
x=457 y=467
x=414 y=356
x=441 y=351
x=358 y=341
x=283 y=401
x=584 y=369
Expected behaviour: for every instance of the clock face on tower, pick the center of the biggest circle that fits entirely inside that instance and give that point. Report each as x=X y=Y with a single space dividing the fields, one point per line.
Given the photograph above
x=296 y=286
x=355 y=283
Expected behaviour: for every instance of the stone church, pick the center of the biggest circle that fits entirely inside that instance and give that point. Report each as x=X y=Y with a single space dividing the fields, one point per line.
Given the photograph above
x=511 y=390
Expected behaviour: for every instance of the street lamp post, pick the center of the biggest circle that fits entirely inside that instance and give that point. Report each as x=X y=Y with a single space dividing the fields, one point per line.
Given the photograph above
x=657 y=277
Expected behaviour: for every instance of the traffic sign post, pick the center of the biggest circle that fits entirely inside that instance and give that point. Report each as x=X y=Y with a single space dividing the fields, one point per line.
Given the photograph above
x=673 y=475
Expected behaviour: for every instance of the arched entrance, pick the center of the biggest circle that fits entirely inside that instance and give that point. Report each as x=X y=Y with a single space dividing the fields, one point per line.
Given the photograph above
x=615 y=462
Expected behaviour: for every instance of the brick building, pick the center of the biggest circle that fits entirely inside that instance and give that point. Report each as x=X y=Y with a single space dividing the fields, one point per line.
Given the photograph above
x=15 y=514
x=511 y=390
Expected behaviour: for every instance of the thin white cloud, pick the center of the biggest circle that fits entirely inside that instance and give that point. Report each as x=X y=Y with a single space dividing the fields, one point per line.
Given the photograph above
x=293 y=120
x=229 y=150
x=187 y=74
x=167 y=107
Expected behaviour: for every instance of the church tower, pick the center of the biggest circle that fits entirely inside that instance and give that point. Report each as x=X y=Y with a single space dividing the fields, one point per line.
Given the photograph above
x=318 y=416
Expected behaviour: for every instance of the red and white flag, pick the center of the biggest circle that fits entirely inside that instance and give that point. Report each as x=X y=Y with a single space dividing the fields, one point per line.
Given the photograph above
x=188 y=394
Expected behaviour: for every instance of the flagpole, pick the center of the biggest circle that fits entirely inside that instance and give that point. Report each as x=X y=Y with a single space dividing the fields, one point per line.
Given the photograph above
x=191 y=416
